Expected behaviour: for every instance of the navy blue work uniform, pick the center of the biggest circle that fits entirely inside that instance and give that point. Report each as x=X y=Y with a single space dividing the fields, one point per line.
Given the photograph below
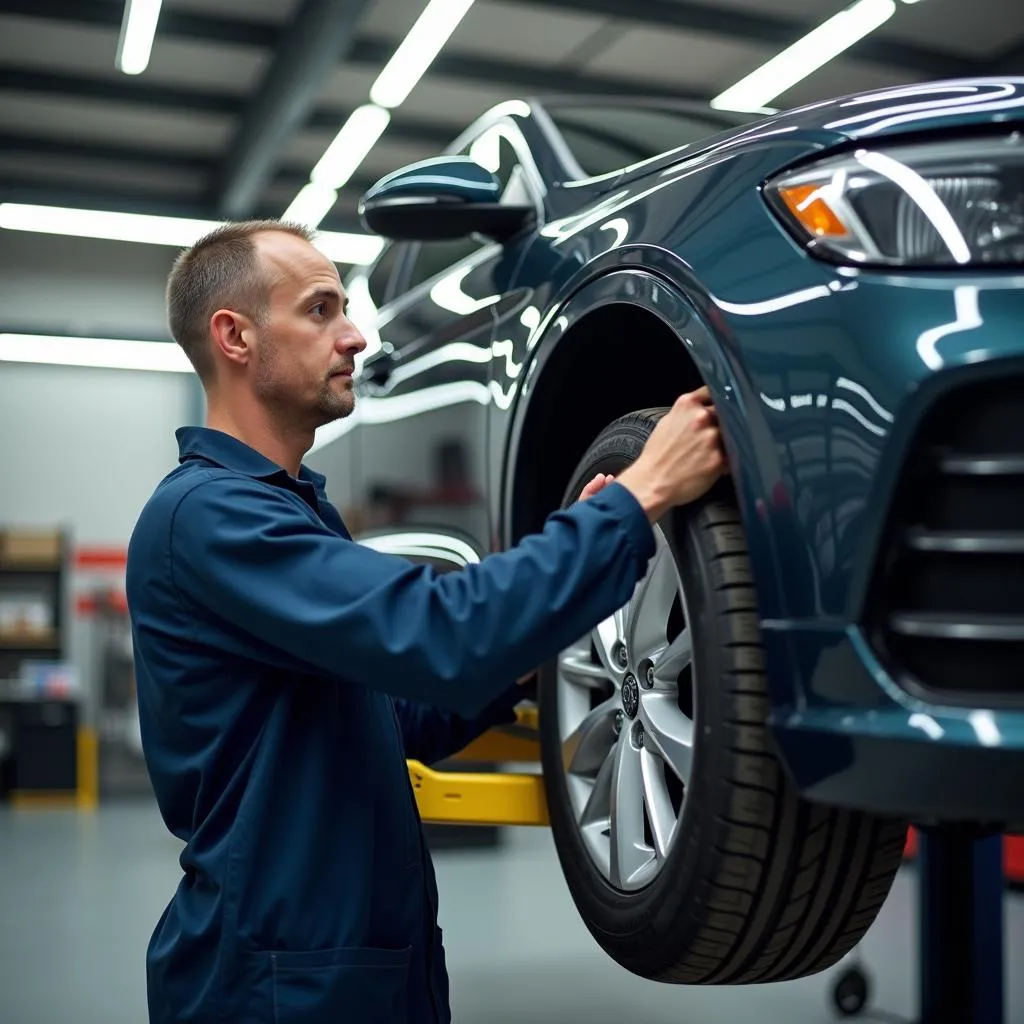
x=284 y=675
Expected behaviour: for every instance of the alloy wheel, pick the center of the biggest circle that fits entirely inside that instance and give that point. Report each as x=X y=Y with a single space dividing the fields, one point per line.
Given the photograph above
x=626 y=723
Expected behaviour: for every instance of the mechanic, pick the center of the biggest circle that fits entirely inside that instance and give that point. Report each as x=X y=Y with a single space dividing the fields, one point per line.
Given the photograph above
x=285 y=672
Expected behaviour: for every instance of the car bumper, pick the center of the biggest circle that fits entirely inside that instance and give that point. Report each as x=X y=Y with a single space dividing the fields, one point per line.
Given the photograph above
x=909 y=679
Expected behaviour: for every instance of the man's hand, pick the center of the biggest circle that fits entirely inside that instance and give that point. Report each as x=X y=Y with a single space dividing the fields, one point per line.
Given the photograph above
x=682 y=459
x=599 y=482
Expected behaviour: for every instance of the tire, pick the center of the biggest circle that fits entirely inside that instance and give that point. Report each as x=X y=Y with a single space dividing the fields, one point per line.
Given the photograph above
x=755 y=884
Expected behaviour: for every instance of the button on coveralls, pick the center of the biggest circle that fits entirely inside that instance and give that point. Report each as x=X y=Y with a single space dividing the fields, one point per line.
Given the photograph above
x=284 y=674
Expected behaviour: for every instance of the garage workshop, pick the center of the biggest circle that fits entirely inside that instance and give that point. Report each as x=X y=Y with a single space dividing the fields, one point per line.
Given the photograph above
x=543 y=473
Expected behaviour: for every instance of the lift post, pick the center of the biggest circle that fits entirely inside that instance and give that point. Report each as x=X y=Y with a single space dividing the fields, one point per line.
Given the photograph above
x=961 y=893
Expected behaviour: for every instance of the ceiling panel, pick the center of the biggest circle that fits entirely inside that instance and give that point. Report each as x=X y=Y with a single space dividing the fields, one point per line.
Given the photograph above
x=348 y=87
x=978 y=28
x=91 y=50
x=809 y=11
x=57 y=46
x=89 y=120
x=105 y=174
x=508 y=31
x=454 y=102
x=692 y=60
x=391 y=19
x=308 y=146
x=246 y=10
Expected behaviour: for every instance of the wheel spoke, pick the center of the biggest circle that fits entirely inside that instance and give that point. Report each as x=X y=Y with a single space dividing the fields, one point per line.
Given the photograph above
x=660 y=812
x=609 y=633
x=586 y=748
x=648 y=611
x=671 y=660
x=596 y=814
x=577 y=668
x=669 y=732
x=628 y=850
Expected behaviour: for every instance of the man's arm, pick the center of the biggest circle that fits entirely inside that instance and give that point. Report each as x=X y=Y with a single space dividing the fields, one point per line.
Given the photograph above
x=431 y=734
x=254 y=556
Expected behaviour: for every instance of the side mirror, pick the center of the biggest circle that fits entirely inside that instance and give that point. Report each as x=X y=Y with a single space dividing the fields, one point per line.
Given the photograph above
x=442 y=198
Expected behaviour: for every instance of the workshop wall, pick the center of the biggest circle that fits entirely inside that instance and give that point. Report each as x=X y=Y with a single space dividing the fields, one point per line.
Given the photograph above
x=84 y=447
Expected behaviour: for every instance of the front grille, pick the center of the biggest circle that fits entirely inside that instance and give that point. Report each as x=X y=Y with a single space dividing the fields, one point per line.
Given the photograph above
x=946 y=612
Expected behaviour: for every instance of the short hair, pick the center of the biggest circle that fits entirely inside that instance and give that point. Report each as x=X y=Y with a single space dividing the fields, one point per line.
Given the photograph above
x=220 y=271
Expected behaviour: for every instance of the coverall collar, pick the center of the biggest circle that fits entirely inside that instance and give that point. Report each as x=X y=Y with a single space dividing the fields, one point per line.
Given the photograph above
x=230 y=453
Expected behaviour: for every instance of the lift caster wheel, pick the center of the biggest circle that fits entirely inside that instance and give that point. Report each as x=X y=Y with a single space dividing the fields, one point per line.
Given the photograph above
x=851 y=993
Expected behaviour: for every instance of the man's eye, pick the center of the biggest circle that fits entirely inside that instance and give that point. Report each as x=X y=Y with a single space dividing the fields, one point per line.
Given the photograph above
x=318 y=308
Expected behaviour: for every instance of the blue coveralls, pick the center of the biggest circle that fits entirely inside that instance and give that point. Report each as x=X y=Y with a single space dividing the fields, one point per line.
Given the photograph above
x=284 y=674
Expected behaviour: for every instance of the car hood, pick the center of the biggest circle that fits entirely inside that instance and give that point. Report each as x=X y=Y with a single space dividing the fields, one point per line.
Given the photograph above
x=900 y=110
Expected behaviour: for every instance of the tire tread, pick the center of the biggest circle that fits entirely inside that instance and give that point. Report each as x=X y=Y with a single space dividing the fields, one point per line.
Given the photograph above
x=860 y=873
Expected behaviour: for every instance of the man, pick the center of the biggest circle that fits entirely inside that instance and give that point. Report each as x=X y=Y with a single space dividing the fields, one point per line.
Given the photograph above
x=285 y=673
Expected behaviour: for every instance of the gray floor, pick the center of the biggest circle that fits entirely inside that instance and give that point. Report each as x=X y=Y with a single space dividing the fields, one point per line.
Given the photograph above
x=79 y=895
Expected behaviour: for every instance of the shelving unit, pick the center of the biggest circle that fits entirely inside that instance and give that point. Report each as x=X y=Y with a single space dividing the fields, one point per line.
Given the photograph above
x=42 y=755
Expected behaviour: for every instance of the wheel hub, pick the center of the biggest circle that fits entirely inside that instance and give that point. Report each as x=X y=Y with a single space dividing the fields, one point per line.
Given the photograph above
x=630 y=696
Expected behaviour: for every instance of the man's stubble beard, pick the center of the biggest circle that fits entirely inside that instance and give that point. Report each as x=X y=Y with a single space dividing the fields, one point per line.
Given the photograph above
x=274 y=393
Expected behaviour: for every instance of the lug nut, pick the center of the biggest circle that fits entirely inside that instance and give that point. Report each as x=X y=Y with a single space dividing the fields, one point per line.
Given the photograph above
x=619 y=718
x=649 y=678
x=638 y=734
x=621 y=657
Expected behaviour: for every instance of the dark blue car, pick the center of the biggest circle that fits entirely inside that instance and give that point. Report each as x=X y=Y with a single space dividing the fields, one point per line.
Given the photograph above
x=831 y=645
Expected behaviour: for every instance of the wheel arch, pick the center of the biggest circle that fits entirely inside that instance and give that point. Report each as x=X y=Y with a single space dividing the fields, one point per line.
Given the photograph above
x=628 y=338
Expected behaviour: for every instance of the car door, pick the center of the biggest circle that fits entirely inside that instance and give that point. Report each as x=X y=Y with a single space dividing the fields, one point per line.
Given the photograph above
x=423 y=394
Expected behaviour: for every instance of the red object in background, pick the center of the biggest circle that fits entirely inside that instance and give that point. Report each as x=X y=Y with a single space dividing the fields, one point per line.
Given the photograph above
x=1013 y=855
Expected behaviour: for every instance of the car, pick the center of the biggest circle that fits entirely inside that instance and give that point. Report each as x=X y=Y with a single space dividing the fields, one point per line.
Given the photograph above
x=828 y=646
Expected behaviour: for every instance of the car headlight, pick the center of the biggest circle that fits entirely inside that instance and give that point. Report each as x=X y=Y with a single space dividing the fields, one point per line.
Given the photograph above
x=953 y=203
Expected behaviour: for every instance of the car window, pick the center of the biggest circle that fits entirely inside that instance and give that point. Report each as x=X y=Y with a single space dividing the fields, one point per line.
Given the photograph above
x=494 y=150
x=605 y=138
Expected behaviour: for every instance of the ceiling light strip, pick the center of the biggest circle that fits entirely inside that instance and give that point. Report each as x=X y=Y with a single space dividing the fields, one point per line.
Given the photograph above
x=364 y=127
x=138 y=30
x=340 y=246
x=805 y=56
x=103 y=353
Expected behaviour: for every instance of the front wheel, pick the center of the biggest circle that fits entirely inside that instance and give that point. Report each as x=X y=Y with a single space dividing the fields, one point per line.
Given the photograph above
x=686 y=850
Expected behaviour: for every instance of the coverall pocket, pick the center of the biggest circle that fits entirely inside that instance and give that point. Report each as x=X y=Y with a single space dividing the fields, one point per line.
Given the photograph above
x=350 y=985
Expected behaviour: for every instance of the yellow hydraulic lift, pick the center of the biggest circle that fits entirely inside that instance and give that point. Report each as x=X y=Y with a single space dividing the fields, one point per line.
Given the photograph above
x=487 y=798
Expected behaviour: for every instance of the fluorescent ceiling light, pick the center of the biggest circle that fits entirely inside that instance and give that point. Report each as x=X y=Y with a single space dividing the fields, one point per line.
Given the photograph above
x=120 y=227
x=342 y=247
x=358 y=135
x=180 y=232
x=311 y=205
x=107 y=353
x=805 y=56
x=418 y=50
x=138 y=29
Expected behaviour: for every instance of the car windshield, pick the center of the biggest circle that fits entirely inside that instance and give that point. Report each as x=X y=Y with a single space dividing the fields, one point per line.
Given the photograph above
x=607 y=137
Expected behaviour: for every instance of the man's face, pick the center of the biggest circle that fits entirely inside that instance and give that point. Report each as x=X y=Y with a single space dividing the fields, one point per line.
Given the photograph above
x=306 y=348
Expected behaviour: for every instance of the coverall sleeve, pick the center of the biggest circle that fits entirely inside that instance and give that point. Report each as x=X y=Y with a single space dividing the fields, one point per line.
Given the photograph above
x=261 y=559
x=431 y=734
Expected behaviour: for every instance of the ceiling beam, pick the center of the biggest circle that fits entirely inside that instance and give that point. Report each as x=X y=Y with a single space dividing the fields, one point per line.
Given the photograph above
x=682 y=15
x=522 y=78
x=758 y=27
x=293 y=175
x=318 y=39
x=142 y=93
x=36 y=190
x=173 y=24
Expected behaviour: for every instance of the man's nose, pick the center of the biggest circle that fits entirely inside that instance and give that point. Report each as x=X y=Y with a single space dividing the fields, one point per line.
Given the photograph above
x=350 y=340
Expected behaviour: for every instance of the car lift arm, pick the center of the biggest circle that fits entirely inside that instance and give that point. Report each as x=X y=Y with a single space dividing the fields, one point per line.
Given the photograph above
x=486 y=798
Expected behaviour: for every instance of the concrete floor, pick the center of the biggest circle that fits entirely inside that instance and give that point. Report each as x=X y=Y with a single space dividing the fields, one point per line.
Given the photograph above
x=79 y=895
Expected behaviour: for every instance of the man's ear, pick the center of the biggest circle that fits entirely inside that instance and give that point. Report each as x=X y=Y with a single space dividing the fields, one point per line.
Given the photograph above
x=230 y=333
